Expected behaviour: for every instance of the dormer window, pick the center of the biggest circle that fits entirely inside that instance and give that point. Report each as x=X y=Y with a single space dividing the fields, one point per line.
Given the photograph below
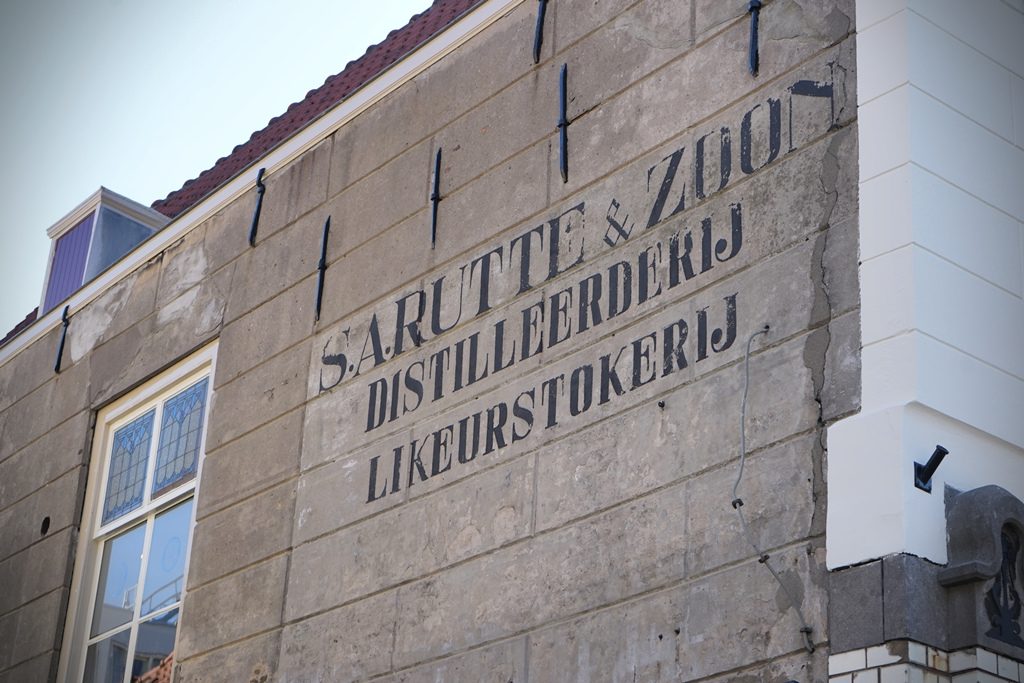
x=92 y=238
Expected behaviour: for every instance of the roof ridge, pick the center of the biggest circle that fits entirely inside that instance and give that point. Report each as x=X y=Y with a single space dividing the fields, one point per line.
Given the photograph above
x=335 y=88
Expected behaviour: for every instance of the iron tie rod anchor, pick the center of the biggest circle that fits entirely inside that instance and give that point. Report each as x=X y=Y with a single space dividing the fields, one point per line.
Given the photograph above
x=322 y=267
x=65 y=321
x=260 y=189
x=563 y=123
x=435 y=198
x=538 y=31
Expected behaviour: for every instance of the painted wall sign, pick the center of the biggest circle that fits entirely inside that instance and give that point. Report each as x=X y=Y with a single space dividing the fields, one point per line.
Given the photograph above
x=594 y=268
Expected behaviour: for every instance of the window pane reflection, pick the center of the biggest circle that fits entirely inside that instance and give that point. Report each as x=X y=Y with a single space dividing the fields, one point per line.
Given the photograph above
x=165 y=573
x=106 y=660
x=119 y=580
x=154 y=647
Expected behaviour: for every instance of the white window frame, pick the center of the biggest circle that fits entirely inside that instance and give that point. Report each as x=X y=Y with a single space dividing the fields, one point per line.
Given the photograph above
x=89 y=556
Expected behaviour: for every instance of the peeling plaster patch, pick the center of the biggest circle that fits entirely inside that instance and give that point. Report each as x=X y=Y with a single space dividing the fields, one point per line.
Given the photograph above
x=91 y=323
x=178 y=308
x=184 y=270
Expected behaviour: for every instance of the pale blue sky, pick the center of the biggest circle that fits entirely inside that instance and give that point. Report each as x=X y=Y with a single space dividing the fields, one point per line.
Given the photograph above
x=142 y=95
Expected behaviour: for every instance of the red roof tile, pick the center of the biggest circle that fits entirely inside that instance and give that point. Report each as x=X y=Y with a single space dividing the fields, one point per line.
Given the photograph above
x=357 y=73
x=23 y=325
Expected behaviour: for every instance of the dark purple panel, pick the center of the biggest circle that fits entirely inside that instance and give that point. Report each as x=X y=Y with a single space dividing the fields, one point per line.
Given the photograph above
x=68 y=263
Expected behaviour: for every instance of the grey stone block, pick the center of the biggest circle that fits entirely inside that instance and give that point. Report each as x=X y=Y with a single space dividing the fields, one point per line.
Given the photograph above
x=41 y=668
x=635 y=641
x=500 y=663
x=253 y=660
x=697 y=630
x=373 y=204
x=60 y=501
x=589 y=472
x=226 y=233
x=61 y=397
x=28 y=370
x=235 y=607
x=353 y=281
x=257 y=397
x=604 y=559
x=914 y=602
x=33 y=630
x=277 y=263
x=574 y=19
x=241 y=535
x=253 y=463
x=44 y=460
x=490 y=61
x=39 y=569
x=855 y=612
x=473 y=517
x=267 y=330
x=345 y=644
x=634 y=44
x=712 y=16
x=777 y=490
x=296 y=189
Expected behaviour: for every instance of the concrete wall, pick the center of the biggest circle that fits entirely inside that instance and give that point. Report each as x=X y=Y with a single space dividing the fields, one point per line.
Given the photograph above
x=941 y=100
x=595 y=544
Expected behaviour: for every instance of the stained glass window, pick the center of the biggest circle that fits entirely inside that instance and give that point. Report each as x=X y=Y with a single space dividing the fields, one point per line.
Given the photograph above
x=126 y=478
x=181 y=427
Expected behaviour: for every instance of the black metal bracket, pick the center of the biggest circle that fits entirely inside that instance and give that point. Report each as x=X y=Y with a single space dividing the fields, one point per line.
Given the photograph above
x=538 y=32
x=435 y=199
x=923 y=473
x=260 y=189
x=563 y=123
x=754 y=7
x=322 y=267
x=65 y=321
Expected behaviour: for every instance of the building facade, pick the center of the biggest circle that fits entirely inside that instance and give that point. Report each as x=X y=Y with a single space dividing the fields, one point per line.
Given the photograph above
x=662 y=340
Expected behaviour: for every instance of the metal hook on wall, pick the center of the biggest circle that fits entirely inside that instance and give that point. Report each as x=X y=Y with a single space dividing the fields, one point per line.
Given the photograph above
x=435 y=199
x=65 y=321
x=563 y=123
x=538 y=32
x=322 y=267
x=260 y=189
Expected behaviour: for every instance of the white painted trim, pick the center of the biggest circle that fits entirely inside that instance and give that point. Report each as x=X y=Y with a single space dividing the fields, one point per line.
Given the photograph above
x=78 y=620
x=129 y=207
x=318 y=130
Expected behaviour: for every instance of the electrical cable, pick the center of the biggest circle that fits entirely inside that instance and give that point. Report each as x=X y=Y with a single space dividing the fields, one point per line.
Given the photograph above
x=737 y=502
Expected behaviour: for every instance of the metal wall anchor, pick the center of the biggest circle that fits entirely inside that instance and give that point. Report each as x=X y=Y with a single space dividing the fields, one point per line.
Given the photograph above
x=754 y=7
x=260 y=189
x=923 y=473
x=435 y=199
x=322 y=267
x=538 y=32
x=65 y=321
x=563 y=124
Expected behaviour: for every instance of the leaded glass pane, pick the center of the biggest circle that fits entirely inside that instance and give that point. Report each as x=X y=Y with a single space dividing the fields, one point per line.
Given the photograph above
x=177 y=454
x=127 y=475
x=165 y=572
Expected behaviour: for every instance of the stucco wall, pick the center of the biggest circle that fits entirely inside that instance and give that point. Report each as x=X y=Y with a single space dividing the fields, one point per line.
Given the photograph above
x=595 y=543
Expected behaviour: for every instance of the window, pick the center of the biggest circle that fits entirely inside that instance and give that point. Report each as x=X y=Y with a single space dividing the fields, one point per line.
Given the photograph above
x=136 y=529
